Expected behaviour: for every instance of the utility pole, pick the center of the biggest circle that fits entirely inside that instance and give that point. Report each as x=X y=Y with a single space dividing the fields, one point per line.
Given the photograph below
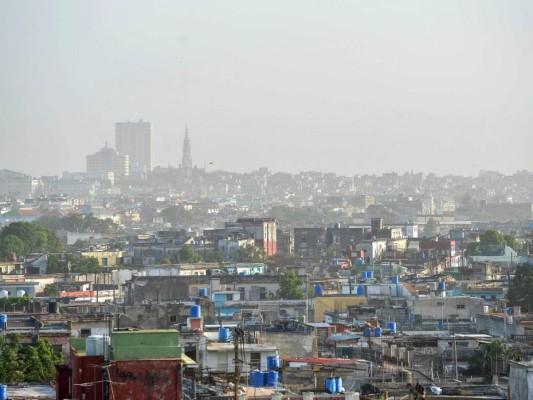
x=307 y=298
x=237 y=372
x=455 y=370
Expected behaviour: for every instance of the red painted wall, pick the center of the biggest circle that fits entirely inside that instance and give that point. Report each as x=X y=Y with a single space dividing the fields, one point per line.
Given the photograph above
x=87 y=376
x=63 y=388
x=146 y=379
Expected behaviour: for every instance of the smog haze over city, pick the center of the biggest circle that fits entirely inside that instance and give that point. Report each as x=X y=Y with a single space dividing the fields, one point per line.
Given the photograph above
x=345 y=87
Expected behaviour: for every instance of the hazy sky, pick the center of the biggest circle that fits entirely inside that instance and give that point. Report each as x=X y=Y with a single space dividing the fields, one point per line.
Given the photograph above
x=343 y=86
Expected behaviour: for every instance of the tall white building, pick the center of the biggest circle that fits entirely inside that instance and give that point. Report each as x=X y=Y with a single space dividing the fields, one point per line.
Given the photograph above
x=134 y=139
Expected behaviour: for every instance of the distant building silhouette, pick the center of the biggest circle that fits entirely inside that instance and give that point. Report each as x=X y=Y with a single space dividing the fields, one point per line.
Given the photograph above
x=186 y=160
x=134 y=139
x=107 y=160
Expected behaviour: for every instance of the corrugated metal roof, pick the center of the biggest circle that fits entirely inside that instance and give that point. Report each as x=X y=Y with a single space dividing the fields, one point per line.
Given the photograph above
x=318 y=324
x=340 y=337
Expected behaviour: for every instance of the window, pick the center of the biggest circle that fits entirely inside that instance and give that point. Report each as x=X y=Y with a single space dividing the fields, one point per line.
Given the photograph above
x=173 y=318
x=440 y=304
x=460 y=306
x=85 y=332
x=255 y=360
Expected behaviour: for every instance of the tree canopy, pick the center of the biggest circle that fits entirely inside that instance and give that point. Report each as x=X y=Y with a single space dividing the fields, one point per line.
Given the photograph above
x=520 y=293
x=10 y=244
x=289 y=287
x=485 y=360
x=26 y=363
x=177 y=215
x=491 y=238
x=72 y=263
x=249 y=253
x=78 y=223
x=35 y=238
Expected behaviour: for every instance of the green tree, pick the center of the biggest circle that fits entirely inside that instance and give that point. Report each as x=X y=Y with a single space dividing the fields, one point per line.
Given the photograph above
x=10 y=244
x=289 y=287
x=177 y=215
x=214 y=256
x=36 y=239
x=79 y=223
x=186 y=254
x=54 y=265
x=484 y=361
x=331 y=252
x=520 y=293
x=512 y=242
x=26 y=363
x=82 y=264
x=490 y=239
x=79 y=245
x=51 y=289
x=249 y=254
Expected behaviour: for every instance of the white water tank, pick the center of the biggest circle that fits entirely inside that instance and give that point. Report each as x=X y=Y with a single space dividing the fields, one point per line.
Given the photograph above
x=20 y=293
x=95 y=345
x=4 y=293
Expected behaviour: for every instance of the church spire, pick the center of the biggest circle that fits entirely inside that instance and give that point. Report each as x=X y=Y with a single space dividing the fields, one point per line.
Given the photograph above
x=186 y=160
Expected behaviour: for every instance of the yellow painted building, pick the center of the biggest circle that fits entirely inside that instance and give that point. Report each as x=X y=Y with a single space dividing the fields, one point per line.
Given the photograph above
x=338 y=303
x=106 y=258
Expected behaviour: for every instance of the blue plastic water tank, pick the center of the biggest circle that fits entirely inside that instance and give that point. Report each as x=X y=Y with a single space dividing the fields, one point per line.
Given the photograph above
x=223 y=334
x=363 y=275
x=272 y=378
x=338 y=384
x=395 y=279
x=392 y=326
x=257 y=378
x=273 y=362
x=369 y=274
x=367 y=332
x=358 y=261
x=331 y=387
x=3 y=320
x=3 y=392
x=196 y=311
x=318 y=290
x=360 y=291
x=377 y=332
x=441 y=286
x=202 y=292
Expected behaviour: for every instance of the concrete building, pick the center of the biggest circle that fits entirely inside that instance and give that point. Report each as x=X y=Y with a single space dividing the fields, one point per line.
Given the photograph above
x=17 y=184
x=340 y=238
x=521 y=380
x=135 y=140
x=107 y=161
x=218 y=356
x=309 y=242
x=262 y=230
x=131 y=365
x=447 y=309
x=106 y=258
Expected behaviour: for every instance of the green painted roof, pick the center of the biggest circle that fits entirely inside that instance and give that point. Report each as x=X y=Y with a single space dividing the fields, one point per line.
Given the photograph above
x=146 y=344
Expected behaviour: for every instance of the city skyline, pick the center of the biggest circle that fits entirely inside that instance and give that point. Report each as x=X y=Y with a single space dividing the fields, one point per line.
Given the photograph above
x=344 y=88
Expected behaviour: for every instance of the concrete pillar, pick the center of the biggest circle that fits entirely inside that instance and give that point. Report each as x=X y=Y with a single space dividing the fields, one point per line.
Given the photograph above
x=307 y=395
